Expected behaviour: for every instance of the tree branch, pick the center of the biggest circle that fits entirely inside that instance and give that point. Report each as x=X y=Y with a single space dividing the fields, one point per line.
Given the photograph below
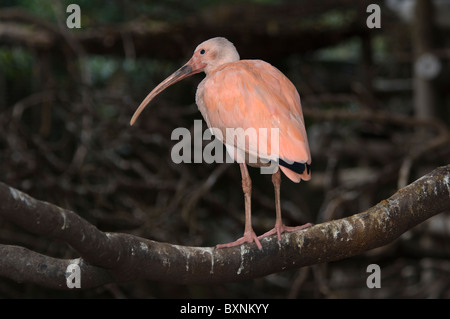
x=117 y=257
x=276 y=26
x=23 y=265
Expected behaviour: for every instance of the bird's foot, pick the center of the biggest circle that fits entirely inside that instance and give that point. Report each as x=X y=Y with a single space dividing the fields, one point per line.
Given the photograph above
x=281 y=228
x=248 y=237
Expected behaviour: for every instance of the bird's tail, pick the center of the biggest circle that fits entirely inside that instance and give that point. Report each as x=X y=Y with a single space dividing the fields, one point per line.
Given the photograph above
x=296 y=171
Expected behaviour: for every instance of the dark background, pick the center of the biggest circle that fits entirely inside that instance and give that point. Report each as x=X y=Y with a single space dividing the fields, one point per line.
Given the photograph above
x=374 y=125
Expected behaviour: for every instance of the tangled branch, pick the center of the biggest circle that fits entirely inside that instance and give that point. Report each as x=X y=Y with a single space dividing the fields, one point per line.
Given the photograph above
x=118 y=257
x=150 y=36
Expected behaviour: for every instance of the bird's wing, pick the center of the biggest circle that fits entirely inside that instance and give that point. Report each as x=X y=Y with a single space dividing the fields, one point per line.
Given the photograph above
x=253 y=95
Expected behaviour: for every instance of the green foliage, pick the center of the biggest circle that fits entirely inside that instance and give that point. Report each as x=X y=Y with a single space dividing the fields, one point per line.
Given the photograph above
x=15 y=63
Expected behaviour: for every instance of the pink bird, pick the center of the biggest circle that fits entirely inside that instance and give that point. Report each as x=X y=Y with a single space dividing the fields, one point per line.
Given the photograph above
x=248 y=94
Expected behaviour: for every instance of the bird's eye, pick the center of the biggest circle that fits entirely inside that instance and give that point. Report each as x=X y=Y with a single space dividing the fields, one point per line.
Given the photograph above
x=202 y=51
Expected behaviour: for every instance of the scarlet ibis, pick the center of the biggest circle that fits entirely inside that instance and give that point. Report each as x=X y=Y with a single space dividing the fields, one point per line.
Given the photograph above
x=248 y=94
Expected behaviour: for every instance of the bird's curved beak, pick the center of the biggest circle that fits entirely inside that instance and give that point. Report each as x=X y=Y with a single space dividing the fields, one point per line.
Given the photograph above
x=192 y=67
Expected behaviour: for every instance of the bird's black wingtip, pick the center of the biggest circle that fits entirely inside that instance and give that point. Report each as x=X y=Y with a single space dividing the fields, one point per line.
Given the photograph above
x=297 y=167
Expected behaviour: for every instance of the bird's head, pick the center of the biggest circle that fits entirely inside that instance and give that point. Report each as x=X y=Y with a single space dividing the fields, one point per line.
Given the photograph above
x=208 y=56
x=213 y=53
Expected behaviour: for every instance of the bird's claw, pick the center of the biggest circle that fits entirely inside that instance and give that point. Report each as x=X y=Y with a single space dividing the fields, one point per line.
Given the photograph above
x=248 y=237
x=281 y=228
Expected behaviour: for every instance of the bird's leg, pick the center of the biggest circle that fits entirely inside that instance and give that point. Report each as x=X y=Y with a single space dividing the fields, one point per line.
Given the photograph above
x=279 y=226
x=249 y=234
